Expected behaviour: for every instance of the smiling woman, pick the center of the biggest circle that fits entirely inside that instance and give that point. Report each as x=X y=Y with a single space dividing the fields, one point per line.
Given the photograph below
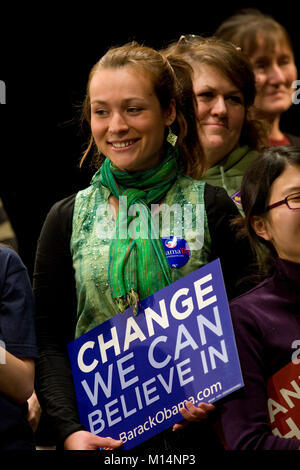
x=269 y=48
x=224 y=86
x=221 y=112
x=156 y=93
x=127 y=121
x=142 y=115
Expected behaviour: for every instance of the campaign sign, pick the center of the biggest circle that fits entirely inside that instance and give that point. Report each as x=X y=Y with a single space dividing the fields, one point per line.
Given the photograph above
x=133 y=374
x=284 y=401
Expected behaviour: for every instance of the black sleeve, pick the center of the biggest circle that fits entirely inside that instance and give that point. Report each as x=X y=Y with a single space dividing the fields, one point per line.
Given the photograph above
x=235 y=253
x=55 y=298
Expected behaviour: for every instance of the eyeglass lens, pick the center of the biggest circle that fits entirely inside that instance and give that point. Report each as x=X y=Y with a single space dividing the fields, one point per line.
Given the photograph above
x=294 y=201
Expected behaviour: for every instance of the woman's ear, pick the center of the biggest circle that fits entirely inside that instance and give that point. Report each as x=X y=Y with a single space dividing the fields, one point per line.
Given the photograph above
x=170 y=113
x=260 y=227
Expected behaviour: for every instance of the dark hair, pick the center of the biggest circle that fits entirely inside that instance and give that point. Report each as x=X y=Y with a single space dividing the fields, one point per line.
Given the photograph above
x=247 y=25
x=171 y=80
x=255 y=194
x=231 y=61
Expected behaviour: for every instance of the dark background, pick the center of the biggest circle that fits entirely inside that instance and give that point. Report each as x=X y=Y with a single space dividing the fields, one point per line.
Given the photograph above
x=46 y=53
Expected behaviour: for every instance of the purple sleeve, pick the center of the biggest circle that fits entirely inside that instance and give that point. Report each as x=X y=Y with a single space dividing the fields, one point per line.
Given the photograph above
x=244 y=415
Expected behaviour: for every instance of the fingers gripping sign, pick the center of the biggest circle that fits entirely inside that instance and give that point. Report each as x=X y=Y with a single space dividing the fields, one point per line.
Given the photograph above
x=193 y=413
x=84 y=440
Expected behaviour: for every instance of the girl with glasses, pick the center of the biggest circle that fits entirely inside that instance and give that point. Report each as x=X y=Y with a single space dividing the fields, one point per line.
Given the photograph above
x=265 y=413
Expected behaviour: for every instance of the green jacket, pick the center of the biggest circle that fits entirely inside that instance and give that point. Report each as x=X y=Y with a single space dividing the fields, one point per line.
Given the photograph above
x=229 y=172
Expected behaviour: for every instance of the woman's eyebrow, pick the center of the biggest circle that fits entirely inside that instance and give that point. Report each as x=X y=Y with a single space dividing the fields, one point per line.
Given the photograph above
x=126 y=100
x=290 y=190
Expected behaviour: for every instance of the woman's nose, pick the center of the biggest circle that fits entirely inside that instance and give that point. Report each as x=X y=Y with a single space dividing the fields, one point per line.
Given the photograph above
x=219 y=106
x=117 y=123
x=275 y=74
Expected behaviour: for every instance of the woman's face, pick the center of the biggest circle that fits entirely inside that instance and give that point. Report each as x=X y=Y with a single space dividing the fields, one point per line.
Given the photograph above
x=281 y=225
x=275 y=72
x=221 y=112
x=127 y=121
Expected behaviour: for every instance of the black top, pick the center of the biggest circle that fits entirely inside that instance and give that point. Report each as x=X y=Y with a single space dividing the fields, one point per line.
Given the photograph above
x=17 y=336
x=55 y=294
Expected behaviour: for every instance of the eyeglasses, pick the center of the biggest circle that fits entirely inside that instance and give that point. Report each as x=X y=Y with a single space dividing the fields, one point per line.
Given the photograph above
x=196 y=40
x=292 y=201
x=189 y=37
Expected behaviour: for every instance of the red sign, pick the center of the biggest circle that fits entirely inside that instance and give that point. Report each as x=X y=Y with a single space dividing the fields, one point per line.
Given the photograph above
x=284 y=401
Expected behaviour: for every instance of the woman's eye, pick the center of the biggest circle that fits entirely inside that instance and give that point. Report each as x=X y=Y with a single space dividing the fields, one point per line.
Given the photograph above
x=206 y=95
x=284 y=61
x=236 y=99
x=294 y=198
x=134 y=109
x=101 y=112
x=259 y=66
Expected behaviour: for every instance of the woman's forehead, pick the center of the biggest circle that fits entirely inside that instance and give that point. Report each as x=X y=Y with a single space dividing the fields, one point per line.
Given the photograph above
x=267 y=42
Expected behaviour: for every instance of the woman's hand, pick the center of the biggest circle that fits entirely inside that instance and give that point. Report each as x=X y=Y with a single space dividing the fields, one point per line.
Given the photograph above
x=34 y=411
x=84 y=440
x=193 y=413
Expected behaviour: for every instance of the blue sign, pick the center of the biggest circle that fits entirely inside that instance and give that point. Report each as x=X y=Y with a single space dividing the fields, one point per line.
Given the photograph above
x=132 y=374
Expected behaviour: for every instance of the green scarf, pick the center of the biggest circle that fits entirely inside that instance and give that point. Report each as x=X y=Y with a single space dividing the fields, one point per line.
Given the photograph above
x=138 y=266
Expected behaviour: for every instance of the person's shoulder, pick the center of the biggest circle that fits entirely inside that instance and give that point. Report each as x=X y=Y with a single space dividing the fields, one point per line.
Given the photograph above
x=248 y=300
x=211 y=190
x=217 y=198
x=187 y=181
x=64 y=204
x=10 y=261
x=7 y=253
x=294 y=139
x=216 y=191
x=62 y=210
x=59 y=216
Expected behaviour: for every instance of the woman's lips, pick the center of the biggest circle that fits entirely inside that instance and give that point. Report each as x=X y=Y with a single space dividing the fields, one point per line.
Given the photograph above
x=213 y=124
x=273 y=94
x=123 y=144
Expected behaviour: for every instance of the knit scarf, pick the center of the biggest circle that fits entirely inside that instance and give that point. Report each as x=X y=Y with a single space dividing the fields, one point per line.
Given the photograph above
x=138 y=266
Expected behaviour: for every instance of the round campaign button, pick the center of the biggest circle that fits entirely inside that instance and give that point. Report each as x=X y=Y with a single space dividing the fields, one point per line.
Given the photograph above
x=177 y=251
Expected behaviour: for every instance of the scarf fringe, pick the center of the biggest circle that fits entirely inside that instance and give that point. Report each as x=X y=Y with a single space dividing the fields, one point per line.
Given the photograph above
x=129 y=300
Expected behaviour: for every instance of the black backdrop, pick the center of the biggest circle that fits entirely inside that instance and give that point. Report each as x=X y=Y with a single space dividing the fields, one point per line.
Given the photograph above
x=46 y=54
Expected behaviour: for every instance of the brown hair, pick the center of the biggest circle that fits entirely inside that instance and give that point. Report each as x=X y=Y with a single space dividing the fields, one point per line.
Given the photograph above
x=172 y=79
x=233 y=64
x=247 y=25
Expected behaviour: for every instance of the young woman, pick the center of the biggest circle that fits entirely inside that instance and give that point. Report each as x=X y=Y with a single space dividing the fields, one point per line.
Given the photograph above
x=269 y=49
x=135 y=106
x=17 y=352
x=266 y=319
x=225 y=91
